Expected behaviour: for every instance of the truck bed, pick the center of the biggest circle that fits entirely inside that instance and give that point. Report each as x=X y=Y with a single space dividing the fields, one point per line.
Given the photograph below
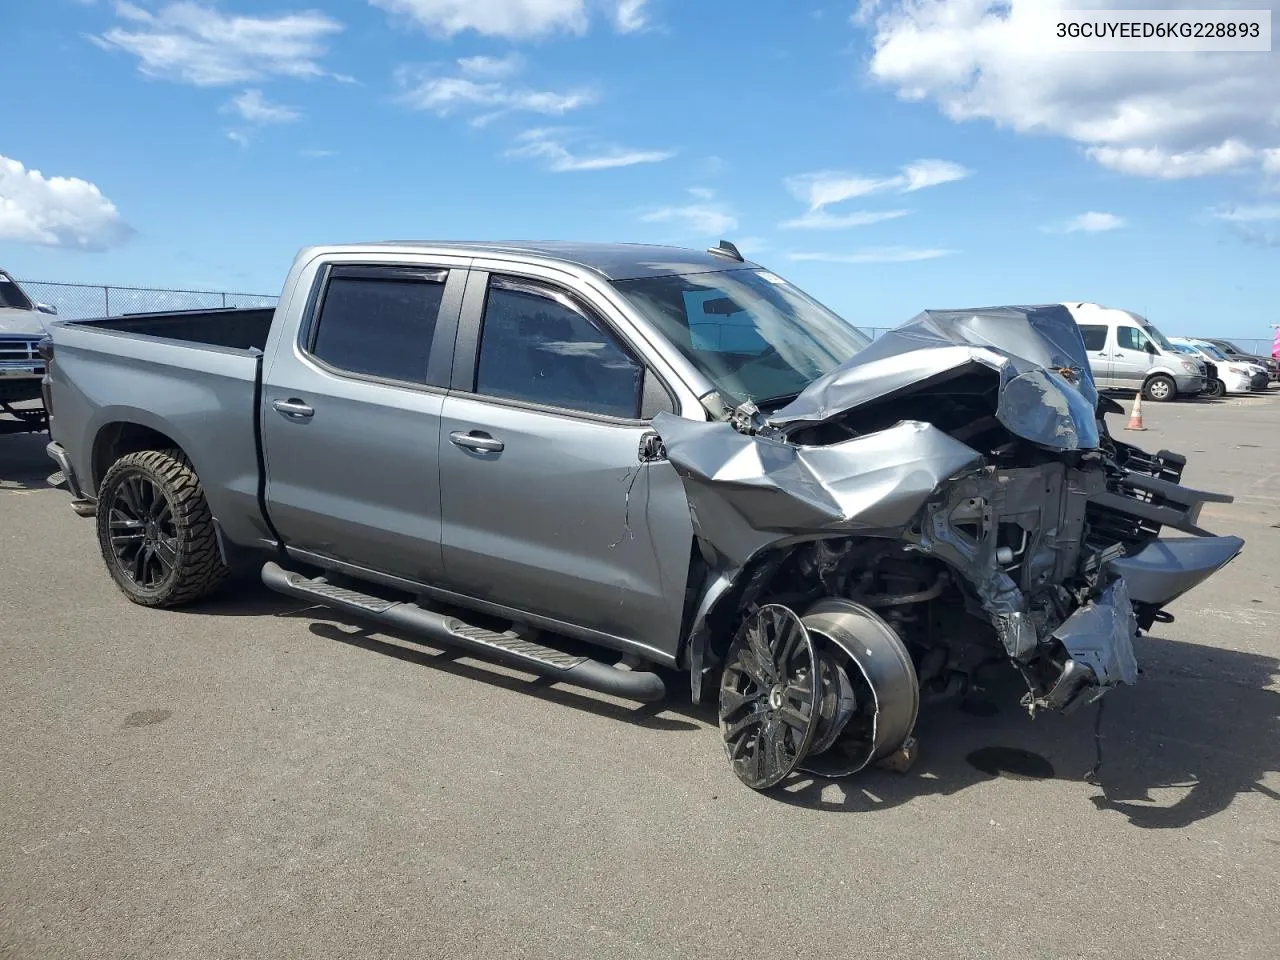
x=192 y=376
x=243 y=328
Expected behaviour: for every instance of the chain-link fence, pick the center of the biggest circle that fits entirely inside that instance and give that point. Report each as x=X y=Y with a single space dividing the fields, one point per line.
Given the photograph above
x=78 y=301
x=81 y=301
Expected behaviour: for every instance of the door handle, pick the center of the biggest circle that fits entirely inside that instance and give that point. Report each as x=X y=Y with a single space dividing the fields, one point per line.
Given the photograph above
x=476 y=441
x=293 y=409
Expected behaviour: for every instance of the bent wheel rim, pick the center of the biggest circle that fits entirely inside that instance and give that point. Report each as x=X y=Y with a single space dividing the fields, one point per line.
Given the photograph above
x=142 y=532
x=768 y=705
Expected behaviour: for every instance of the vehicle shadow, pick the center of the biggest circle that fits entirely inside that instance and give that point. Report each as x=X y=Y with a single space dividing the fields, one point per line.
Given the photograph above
x=250 y=598
x=1196 y=731
x=23 y=463
x=649 y=716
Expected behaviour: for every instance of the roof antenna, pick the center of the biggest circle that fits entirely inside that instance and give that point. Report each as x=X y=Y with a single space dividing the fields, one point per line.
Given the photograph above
x=726 y=249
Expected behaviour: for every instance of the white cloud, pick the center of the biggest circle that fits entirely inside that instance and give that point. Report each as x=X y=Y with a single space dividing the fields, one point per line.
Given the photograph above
x=238 y=136
x=820 y=219
x=698 y=218
x=443 y=95
x=630 y=15
x=931 y=173
x=879 y=255
x=492 y=68
x=513 y=19
x=1160 y=115
x=704 y=218
x=1093 y=222
x=1157 y=162
x=256 y=108
x=826 y=187
x=316 y=154
x=1271 y=161
x=1248 y=214
x=193 y=43
x=551 y=145
x=56 y=211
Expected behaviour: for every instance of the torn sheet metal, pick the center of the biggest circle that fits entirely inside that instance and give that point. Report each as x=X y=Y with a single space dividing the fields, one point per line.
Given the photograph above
x=1100 y=636
x=747 y=492
x=1033 y=350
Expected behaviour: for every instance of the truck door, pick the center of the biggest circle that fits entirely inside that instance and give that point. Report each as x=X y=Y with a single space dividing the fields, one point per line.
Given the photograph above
x=548 y=507
x=1099 y=351
x=1131 y=357
x=351 y=417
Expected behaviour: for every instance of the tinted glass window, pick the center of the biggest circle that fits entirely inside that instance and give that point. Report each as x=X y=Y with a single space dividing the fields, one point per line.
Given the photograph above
x=1095 y=337
x=537 y=345
x=1131 y=338
x=380 y=326
x=11 y=295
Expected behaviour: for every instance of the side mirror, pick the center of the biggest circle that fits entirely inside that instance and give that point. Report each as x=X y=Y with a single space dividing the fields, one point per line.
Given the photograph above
x=1151 y=348
x=47 y=308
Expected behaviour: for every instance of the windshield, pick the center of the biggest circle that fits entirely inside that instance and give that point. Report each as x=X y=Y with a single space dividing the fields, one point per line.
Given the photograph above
x=1211 y=350
x=752 y=334
x=1161 y=341
x=1186 y=348
x=11 y=294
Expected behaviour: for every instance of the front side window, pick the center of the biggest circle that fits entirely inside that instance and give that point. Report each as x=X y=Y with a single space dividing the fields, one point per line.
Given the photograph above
x=1131 y=338
x=752 y=334
x=539 y=345
x=379 y=322
x=1095 y=336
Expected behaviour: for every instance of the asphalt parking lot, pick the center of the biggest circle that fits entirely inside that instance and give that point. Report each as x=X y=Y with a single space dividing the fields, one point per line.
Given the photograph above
x=255 y=779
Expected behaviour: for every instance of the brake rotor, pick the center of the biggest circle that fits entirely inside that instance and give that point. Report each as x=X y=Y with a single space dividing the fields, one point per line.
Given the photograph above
x=882 y=677
x=769 y=695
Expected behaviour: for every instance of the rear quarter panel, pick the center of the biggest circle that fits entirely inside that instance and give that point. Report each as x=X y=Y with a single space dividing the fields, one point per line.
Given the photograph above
x=200 y=397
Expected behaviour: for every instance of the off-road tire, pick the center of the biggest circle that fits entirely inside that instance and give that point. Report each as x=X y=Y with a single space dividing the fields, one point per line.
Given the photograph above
x=1160 y=389
x=198 y=569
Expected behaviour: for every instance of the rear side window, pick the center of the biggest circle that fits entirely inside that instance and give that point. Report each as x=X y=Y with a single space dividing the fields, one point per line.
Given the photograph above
x=539 y=345
x=379 y=322
x=1095 y=337
x=1131 y=338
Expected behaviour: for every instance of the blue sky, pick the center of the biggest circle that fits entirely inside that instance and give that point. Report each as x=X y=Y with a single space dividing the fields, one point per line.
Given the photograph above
x=887 y=158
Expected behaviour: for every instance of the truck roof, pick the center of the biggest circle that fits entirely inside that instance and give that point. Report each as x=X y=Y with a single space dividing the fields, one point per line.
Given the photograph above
x=613 y=261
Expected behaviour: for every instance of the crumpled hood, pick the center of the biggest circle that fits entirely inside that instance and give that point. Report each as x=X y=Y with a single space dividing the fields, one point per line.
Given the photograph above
x=29 y=322
x=1026 y=346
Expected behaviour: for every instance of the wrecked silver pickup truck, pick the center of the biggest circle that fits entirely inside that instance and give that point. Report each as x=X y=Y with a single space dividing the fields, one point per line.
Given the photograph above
x=528 y=450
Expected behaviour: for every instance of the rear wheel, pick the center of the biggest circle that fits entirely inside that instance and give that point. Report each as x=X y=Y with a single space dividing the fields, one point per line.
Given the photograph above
x=156 y=531
x=1160 y=388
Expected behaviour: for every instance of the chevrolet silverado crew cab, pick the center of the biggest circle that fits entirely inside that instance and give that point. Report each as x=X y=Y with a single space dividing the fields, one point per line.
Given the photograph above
x=618 y=465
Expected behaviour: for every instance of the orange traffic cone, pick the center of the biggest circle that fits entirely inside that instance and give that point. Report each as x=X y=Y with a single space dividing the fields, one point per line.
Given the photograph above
x=1135 y=418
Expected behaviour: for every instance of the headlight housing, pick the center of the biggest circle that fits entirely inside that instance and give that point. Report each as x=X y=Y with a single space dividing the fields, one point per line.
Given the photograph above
x=1191 y=366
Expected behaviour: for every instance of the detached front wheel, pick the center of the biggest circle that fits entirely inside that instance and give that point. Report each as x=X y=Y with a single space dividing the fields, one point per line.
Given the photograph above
x=156 y=531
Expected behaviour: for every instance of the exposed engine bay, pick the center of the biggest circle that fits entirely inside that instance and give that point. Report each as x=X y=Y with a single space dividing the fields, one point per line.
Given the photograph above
x=947 y=501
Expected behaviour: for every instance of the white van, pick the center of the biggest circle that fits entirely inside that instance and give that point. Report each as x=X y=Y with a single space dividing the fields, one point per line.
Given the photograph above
x=1127 y=352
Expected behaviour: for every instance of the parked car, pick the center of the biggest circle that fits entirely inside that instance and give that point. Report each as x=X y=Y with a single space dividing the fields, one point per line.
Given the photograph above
x=1233 y=376
x=1270 y=364
x=1127 y=352
x=22 y=327
x=676 y=458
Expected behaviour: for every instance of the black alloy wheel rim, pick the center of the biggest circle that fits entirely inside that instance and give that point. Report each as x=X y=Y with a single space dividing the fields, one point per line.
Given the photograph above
x=143 y=535
x=768 y=707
